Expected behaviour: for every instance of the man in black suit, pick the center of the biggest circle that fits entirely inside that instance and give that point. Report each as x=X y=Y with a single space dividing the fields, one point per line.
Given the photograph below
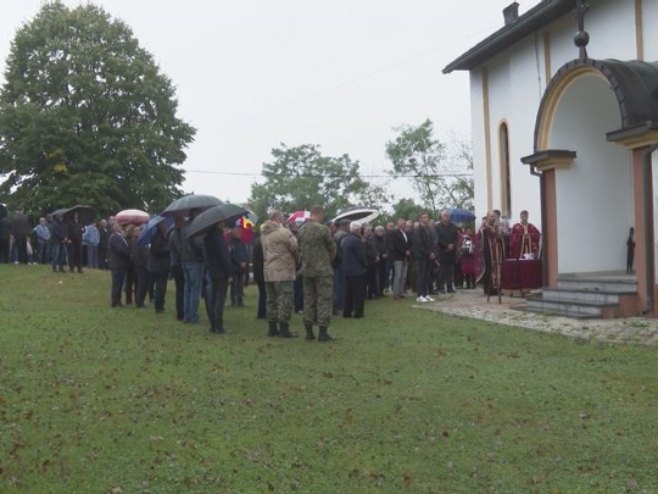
x=424 y=255
x=219 y=273
x=400 y=250
x=448 y=236
x=119 y=260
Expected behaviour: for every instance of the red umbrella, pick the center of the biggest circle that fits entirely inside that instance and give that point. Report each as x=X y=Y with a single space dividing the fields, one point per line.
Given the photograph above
x=299 y=216
x=134 y=216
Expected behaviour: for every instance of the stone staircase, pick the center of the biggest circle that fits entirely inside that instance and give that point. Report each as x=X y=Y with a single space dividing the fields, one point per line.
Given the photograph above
x=588 y=296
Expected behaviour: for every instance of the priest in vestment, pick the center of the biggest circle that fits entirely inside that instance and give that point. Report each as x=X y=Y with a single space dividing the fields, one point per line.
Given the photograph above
x=524 y=238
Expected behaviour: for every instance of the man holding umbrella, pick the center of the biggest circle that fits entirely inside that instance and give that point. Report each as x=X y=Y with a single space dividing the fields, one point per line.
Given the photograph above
x=191 y=254
x=280 y=260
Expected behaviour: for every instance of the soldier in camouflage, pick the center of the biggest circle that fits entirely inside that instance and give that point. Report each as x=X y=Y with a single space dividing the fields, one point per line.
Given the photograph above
x=317 y=248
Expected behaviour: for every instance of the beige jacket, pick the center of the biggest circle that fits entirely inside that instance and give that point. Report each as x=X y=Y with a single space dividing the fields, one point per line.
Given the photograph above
x=279 y=252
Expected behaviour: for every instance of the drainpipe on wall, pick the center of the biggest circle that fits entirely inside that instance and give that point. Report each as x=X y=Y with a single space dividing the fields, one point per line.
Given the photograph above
x=647 y=178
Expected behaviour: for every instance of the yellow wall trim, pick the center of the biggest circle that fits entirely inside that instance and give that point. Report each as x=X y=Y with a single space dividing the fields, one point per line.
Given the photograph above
x=487 y=135
x=548 y=71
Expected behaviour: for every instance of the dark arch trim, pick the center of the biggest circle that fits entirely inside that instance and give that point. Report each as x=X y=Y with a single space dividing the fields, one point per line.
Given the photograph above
x=634 y=84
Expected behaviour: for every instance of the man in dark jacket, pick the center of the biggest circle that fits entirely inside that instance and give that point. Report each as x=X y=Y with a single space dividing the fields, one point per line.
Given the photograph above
x=372 y=258
x=158 y=265
x=76 y=229
x=354 y=267
x=176 y=265
x=381 y=266
x=424 y=256
x=139 y=257
x=239 y=258
x=104 y=233
x=400 y=251
x=219 y=272
x=447 y=237
x=119 y=260
x=58 y=239
x=20 y=229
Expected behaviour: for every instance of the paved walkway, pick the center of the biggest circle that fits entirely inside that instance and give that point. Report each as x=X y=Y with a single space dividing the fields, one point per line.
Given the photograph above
x=472 y=304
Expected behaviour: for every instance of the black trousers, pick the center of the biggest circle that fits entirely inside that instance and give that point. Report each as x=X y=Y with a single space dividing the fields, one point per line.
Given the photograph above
x=75 y=255
x=118 y=277
x=179 y=283
x=160 y=284
x=371 y=281
x=261 y=312
x=446 y=276
x=354 y=296
x=143 y=281
x=216 y=291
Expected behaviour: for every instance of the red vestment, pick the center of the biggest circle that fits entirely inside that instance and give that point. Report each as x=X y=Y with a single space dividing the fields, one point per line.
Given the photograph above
x=524 y=239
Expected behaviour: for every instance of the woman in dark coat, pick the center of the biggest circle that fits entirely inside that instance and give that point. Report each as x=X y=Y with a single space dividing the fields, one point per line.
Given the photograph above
x=218 y=271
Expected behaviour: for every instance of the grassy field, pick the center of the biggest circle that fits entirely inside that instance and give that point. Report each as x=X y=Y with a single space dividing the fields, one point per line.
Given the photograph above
x=100 y=400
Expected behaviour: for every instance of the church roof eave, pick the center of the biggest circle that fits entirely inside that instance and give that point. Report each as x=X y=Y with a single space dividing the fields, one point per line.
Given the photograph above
x=534 y=19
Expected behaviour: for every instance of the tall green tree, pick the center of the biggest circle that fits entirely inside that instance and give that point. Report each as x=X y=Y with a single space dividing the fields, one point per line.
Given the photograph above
x=439 y=173
x=300 y=177
x=86 y=116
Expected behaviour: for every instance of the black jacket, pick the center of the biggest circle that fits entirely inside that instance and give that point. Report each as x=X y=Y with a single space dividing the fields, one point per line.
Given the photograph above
x=119 y=252
x=447 y=234
x=158 y=261
x=422 y=243
x=216 y=257
x=257 y=260
x=399 y=245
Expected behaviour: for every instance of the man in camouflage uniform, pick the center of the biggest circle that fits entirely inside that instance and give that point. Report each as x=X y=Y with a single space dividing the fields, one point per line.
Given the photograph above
x=280 y=259
x=317 y=249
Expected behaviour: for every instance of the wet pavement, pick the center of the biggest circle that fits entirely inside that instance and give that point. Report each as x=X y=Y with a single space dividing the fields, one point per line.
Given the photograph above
x=473 y=304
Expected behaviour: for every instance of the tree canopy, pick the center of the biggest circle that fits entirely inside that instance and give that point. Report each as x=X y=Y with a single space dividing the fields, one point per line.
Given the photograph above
x=86 y=116
x=441 y=174
x=300 y=177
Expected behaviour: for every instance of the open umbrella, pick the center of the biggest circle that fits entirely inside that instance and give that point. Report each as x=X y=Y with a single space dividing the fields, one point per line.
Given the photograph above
x=86 y=214
x=461 y=216
x=299 y=216
x=134 y=216
x=358 y=213
x=214 y=215
x=183 y=205
x=149 y=229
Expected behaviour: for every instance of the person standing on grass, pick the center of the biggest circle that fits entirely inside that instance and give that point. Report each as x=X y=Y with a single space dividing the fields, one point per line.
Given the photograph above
x=219 y=271
x=119 y=261
x=42 y=233
x=91 y=238
x=280 y=258
x=59 y=239
x=76 y=230
x=424 y=255
x=240 y=258
x=400 y=251
x=191 y=254
x=139 y=254
x=158 y=265
x=175 y=265
x=318 y=249
x=103 y=238
x=258 y=262
x=448 y=238
x=354 y=268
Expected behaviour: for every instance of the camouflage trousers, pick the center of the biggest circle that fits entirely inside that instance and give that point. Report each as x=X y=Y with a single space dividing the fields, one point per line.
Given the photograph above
x=279 y=300
x=318 y=300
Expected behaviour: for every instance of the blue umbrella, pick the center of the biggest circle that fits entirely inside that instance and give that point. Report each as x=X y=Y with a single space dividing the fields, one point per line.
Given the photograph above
x=461 y=216
x=149 y=229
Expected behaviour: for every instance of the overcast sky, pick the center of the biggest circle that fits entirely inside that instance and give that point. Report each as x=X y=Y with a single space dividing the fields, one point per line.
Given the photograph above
x=251 y=74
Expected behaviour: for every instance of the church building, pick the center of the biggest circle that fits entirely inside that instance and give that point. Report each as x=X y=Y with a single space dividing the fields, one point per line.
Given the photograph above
x=564 y=104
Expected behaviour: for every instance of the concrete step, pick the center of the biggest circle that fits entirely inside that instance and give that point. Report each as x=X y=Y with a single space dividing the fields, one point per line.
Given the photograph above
x=598 y=284
x=575 y=295
x=570 y=308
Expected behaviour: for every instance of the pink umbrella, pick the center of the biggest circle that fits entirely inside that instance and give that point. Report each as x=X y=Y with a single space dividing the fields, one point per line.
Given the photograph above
x=134 y=216
x=299 y=216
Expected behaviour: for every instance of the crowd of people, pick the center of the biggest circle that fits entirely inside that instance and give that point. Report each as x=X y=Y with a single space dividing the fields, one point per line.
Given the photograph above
x=316 y=268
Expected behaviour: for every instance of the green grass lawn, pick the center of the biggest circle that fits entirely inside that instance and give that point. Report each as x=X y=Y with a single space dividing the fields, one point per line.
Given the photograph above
x=96 y=400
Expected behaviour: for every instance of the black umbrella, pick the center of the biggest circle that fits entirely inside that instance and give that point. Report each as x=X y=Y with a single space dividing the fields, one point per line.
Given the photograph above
x=86 y=214
x=183 y=205
x=214 y=215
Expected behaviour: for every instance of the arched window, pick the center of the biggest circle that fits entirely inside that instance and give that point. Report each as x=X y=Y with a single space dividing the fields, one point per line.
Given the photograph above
x=505 y=179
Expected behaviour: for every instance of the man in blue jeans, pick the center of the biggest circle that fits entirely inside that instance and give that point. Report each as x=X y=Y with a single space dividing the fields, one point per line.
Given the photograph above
x=191 y=254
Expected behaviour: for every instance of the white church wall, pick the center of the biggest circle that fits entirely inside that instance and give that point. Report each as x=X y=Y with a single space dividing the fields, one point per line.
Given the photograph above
x=594 y=196
x=517 y=80
x=650 y=30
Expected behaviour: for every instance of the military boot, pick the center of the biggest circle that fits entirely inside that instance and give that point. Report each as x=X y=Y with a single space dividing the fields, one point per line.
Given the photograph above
x=309 y=332
x=272 y=329
x=324 y=335
x=284 y=331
